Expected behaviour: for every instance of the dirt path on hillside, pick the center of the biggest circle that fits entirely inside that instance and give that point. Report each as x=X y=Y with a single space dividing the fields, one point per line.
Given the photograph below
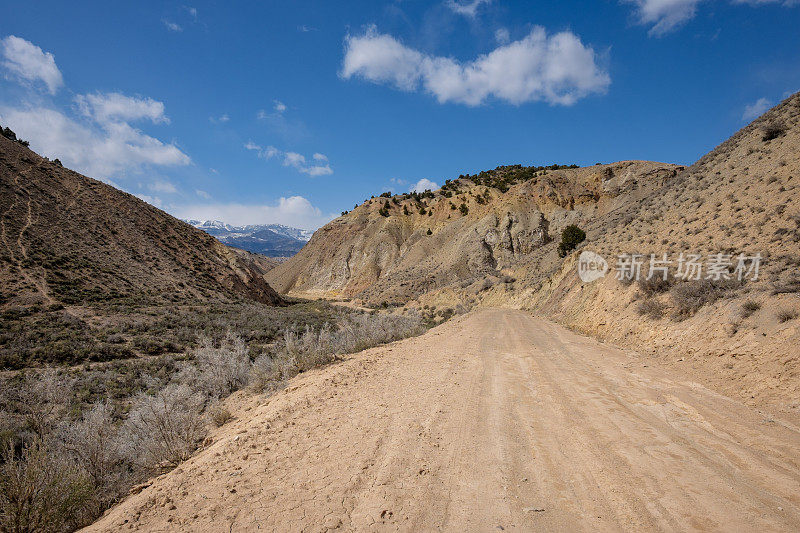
x=492 y=421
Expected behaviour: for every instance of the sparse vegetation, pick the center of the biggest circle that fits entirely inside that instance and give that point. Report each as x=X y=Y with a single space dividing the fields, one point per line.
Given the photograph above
x=651 y=308
x=786 y=315
x=749 y=307
x=73 y=445
x=773 y=130
x=689 y=296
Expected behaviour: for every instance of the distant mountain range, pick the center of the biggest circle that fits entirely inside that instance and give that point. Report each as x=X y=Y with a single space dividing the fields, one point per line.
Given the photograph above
x=273 y=240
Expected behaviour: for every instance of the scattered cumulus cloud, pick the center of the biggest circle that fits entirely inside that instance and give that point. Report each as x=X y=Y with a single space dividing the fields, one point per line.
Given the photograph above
x=164 y=187
x=665 y=16
x=100 y=150
x=319 y=166
x=202 y=194
x=468 y=8
x=756 y=109
x=116 y=107
x=502 y=36
x=220 y=119
x=424 y=184
x=172 y=26
x=295 y=211
x=279 y=106
x=28 y=62
x=192 y=12
x=557 y=69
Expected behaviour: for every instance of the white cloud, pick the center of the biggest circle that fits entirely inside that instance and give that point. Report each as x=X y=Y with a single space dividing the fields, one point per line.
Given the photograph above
x=502 y=36
x=557 y=69
x=279 y=106
x=667 y=15
x=192 y=11
x=295 y=211
x=220 y=119
x=756 y=109
x=162 y=187
x=664 y=15
x=424 y=184
x=467 y=8
x=152 y=200
x=115 y=107
x=202 y=194
x=30 y=63
x=293 y=159
x=100 y=150
x=787 y=3
x=171 y=26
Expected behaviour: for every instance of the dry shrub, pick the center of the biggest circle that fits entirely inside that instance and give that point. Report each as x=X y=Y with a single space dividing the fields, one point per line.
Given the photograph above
x=93 y=442
x=749 y=307
x=651 y=308
x=786 y=315
x=689 y=296
x=219 y=415
x=654 y=285
x=164 y=429
x=224 y=369
x=266 y=373
x=42 y=490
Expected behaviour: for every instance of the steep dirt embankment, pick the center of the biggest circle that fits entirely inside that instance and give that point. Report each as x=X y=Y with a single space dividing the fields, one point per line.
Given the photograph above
x=492 y=421
x=66 y=238
x=396 y=248
x=743 y=339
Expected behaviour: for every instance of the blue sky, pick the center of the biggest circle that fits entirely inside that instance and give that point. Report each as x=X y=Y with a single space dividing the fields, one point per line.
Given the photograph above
x=291 y=112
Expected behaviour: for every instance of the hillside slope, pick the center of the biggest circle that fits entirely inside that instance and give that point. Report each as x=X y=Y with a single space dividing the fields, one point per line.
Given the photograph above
x=740 y=338
x=69 y=239
x=399 y=247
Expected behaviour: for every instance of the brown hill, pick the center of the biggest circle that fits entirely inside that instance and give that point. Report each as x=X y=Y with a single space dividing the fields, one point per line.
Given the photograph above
x=69 y=239
x=396 y=248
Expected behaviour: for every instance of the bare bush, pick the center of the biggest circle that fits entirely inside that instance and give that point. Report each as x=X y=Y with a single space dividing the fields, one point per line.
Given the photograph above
x=42 y=491
x=224 y=369
x=689 y=296
x=749 y=307
x=654 y=285
x=315 y=347
x=219 y=415
x=42 y=400
x=265 y=374
x=786 y=315
x=651 y=308
x=164 y=429
x=93 y=441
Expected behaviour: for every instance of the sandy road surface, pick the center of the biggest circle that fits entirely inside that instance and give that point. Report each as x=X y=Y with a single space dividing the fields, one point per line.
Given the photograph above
x=493 y=420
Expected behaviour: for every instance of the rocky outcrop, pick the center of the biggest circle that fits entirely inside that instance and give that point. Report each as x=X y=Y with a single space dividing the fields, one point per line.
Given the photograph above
x=462 y=233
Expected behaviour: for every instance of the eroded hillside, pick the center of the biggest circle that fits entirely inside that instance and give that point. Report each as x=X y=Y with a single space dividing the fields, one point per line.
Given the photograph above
x=396 y=248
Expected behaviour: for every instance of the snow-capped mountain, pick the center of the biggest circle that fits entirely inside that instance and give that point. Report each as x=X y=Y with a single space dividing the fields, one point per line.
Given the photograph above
x=275 y=240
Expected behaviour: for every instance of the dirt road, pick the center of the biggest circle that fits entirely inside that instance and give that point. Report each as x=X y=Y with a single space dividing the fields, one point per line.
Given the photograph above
x=492 y=421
